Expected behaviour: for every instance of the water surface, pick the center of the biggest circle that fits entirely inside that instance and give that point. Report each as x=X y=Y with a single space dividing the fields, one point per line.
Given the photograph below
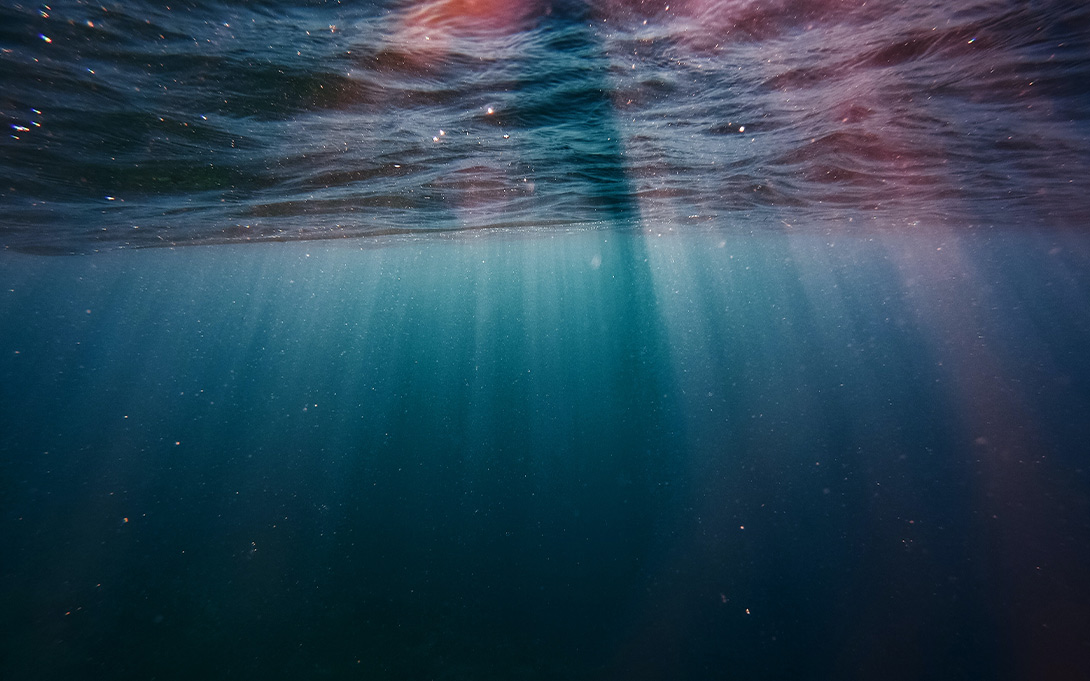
x=139 y=124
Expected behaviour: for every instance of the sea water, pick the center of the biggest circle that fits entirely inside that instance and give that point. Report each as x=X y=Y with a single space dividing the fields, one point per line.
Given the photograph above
x=531 y=341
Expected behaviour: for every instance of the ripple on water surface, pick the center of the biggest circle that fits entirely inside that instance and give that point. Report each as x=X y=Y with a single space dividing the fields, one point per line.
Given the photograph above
x=131 y=124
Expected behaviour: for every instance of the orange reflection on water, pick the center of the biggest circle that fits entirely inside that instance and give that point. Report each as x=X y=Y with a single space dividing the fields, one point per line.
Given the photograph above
x=484 y=15
x=427 y=28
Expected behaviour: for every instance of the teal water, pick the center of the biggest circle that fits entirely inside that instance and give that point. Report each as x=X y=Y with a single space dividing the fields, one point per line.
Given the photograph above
x=576 y=454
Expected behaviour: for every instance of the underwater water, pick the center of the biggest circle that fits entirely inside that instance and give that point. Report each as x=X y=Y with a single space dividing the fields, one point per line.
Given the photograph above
x=533 y=340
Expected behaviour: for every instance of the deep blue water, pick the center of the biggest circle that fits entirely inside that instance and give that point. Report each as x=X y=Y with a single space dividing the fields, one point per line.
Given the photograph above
x=600 y=340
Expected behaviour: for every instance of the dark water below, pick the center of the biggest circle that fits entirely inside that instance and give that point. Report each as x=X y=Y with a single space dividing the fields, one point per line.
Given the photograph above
x=588 y=456
x=611 y=341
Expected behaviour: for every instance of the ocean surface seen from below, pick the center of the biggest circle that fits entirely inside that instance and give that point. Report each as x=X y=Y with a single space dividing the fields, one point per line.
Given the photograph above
x=134 y=124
